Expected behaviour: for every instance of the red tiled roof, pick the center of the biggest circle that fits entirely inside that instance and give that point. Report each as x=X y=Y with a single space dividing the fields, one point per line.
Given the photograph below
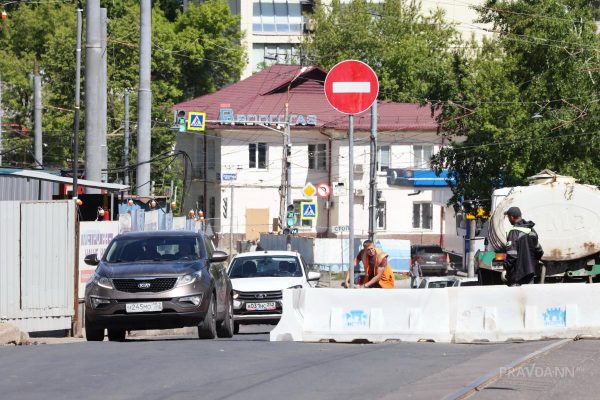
x=266 y=92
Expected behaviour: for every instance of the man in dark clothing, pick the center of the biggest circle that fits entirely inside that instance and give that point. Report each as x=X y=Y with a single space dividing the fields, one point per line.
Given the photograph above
x=523 y=252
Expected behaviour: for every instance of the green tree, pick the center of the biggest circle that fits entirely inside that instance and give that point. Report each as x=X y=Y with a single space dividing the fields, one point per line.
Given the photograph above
x=192 y=54
x=525 y=101
x=410 y=52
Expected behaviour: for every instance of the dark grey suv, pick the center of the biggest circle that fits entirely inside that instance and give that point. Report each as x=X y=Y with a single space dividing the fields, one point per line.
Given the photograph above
x=428 y=259
x=158 y=280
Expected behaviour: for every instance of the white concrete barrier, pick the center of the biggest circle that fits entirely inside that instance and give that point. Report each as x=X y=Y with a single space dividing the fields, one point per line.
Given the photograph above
x=461 y=314
x=316 y=314
x=530 y=312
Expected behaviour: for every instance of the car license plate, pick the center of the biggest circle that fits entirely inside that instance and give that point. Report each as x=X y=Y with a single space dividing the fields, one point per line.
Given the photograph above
x=143 y=307
x=430 y=262
x=261 y=306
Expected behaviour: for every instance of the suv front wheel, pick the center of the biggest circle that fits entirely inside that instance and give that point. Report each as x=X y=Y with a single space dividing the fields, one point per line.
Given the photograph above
x=93 y=333
x=208 y=328
x=226 y=328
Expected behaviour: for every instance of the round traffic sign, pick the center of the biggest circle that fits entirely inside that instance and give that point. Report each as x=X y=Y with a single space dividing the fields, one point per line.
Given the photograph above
x=323 y=190
x=351 y=87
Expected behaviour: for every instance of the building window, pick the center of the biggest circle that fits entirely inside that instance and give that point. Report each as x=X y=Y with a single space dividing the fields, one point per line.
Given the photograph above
x=305 y=223
x=422 y=215
x=257 y=153
x=267 y=54
x=277 y=16
x=422 y=156
x=317 y=157
x=383 y=158
x=380 y=215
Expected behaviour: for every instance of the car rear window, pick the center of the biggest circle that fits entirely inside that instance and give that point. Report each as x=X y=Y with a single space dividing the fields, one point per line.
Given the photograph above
x=439 y=284
x=429 y=249
x=265 y=266
x=170 y=248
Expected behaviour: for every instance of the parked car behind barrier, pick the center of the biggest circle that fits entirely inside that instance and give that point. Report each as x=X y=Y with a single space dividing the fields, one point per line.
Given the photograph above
x=258 y=279
x=428 y=260
x=157 y=280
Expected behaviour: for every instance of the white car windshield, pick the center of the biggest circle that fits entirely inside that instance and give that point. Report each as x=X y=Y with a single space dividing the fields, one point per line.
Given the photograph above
x=265 y=266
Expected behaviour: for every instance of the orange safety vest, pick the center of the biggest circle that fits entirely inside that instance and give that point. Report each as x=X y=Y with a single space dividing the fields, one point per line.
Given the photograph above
x=387 y=279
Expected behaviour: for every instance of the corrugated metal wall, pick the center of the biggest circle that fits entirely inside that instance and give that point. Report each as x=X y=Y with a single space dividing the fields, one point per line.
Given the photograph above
x=10 y=234
x=12 y=188
x=37 y=293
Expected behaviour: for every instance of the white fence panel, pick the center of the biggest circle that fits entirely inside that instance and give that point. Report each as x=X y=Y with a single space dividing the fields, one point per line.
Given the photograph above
x=10 y=232
x=37 y=293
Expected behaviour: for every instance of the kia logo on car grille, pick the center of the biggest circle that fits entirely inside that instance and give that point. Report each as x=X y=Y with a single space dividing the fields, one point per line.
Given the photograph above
x=260 y=295
x=144 y=285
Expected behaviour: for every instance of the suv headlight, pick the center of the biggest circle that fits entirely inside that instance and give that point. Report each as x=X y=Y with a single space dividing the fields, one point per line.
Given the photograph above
x=188 y=279
x=101 y=281
x=295 y=287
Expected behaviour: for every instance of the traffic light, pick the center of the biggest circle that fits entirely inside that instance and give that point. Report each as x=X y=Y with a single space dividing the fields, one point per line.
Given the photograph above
x=181 y=120
x=291 y=216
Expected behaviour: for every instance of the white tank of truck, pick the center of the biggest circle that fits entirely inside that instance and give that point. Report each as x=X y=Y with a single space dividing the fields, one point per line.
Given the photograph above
x=566 y=216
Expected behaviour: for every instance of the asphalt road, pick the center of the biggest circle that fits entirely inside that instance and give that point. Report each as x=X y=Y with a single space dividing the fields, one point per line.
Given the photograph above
x=246 y=367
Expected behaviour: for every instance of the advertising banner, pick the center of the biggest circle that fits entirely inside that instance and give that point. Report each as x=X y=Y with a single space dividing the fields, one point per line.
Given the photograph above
x=94 y=237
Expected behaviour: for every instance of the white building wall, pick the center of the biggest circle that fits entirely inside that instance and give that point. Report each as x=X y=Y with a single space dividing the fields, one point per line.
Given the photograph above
x=259 y=188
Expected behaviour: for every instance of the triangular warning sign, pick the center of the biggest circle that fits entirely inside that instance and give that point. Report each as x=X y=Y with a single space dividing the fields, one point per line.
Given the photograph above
x=196 y=122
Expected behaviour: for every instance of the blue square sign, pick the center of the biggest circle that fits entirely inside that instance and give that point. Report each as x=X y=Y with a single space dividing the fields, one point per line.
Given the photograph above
x=196 y=121
x=309 y=210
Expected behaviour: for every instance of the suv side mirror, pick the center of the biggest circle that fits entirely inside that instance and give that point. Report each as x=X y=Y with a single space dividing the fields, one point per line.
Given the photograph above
x=219 y=256
x=91 y=259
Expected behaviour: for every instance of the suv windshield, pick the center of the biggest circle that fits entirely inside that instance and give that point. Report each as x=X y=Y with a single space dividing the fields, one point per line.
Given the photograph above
x=261 y=266
x=173 y=248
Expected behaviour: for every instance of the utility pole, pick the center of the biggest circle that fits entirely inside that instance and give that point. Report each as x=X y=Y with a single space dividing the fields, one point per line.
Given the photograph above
x=287 y=148
x=37 y=117
x=77 y=101
x=144 y=100
x=1 y=111
x=126 y=138
x=373 y=172
x=231 y=218
x=103 y=96
x=93 y=65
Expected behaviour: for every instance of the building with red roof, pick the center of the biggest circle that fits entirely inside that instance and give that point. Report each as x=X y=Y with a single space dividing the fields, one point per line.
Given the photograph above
x=237 y=162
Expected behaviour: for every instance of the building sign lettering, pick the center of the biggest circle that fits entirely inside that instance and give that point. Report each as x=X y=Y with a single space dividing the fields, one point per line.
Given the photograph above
x=227 y=116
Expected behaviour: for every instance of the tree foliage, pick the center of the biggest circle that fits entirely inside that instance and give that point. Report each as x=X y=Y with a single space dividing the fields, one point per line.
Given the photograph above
x=525 y=101
x=409 y=51
x=192 y=54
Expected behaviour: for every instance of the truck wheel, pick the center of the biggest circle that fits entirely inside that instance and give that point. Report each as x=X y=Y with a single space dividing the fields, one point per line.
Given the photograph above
x=480 y=277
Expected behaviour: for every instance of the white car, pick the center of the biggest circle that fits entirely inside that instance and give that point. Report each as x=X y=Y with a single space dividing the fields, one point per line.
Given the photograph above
x=258 y=279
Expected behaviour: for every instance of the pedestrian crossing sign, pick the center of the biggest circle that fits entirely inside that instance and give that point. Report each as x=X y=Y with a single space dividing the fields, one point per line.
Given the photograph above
x=309 y=210
x=196 y=121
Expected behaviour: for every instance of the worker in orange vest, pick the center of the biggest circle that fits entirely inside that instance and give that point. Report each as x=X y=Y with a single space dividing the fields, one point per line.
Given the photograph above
x=378 y=272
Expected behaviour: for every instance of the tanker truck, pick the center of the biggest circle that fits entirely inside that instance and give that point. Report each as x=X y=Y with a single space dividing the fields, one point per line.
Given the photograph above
x=567 y=220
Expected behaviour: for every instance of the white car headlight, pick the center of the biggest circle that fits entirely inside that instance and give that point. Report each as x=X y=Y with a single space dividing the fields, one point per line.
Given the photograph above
x=188 y=279
x=295 y=287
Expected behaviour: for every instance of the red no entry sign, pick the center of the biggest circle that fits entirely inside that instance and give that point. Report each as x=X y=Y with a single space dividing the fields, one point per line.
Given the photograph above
x=351 y=87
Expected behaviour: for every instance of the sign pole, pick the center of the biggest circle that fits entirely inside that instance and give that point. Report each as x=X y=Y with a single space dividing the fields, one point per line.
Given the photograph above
x=351 y=198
